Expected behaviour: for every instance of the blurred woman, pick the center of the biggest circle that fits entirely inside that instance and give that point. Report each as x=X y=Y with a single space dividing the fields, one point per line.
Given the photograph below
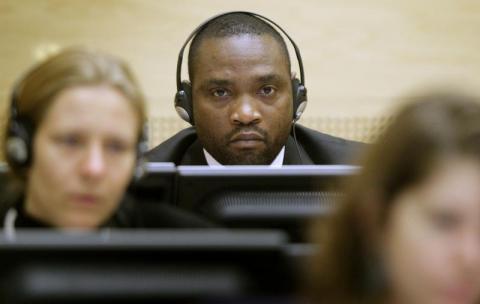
x=408 y=231
x=74 y=141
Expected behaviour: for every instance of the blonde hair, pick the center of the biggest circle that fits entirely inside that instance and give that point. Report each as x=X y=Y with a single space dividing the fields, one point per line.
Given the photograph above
x=72 y=67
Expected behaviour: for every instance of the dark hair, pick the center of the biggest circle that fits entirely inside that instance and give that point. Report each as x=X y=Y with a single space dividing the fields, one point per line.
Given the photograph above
x=427 y=130
x=229 y=25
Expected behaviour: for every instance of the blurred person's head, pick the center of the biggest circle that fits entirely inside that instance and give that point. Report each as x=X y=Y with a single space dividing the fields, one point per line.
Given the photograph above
x=408 y=230
x=83 y=114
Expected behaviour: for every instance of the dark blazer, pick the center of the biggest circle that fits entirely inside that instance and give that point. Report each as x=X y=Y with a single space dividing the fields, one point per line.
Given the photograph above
x=315 y=147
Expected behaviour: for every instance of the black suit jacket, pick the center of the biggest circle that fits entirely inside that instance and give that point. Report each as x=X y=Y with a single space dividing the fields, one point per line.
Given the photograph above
x=315 y=147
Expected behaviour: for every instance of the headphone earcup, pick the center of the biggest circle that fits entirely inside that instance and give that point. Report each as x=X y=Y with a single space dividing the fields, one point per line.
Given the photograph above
x=142 y=149
x=18 y=143
x=183 y=102
x=299 y=93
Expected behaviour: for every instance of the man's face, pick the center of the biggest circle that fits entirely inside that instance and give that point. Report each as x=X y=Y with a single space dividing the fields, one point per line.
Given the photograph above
x=242 y=99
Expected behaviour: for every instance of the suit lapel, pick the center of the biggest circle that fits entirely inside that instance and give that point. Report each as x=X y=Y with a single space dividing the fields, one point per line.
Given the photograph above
x=291 y=154
x=194 y=155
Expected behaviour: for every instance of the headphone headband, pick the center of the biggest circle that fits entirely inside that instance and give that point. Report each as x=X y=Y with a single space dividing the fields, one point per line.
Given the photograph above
x=205 y=23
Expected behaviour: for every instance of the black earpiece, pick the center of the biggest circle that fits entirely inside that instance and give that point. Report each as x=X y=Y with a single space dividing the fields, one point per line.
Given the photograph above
x=183 y=97
x=18 y=142
x=299 y=92
x=142 y=148
x=183 y=102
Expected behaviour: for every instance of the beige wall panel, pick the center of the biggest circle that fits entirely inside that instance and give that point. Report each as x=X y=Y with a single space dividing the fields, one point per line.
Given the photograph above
x=359 y=54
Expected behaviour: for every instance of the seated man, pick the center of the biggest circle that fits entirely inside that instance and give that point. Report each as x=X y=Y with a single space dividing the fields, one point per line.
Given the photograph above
x=243 y=101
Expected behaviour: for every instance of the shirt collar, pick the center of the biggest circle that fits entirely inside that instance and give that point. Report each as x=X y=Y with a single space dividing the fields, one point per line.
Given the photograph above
x=277 y=162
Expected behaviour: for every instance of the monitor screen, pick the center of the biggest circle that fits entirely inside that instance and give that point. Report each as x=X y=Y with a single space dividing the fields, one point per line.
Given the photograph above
x=261 y=196
x=143 y=266
x=156 y=185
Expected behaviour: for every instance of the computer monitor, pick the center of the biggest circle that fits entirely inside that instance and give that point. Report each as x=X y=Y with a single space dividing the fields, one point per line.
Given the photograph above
x=186 y=266
x=157 y=185
x=261 y=196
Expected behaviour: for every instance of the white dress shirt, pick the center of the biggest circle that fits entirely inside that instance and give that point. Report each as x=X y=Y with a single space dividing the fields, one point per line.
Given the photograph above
x=277 y=162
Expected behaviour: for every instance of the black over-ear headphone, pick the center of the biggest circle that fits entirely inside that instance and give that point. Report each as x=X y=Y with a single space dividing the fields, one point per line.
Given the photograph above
x=19 y=132
x=183 y=97
x=20 y=135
